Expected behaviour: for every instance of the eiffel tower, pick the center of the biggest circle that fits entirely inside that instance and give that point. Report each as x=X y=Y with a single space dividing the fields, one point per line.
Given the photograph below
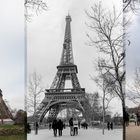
x=58 y=97
x=4 y=111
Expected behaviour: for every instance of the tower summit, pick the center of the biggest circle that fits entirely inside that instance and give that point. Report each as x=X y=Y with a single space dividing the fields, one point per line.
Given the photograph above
x=67 y=54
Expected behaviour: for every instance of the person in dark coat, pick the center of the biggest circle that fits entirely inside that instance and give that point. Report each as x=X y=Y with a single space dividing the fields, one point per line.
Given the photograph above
x=60 y=127
x=36 y=128
x=54 y=127
x=71 y=126
x=126 y=118
x=64 y=126
x=28 y=128
x=86 y=125
x=75 y=126
x=138 y=118
x=79 y=124
x=108 y=125
x=111 y=125
x=50 y=126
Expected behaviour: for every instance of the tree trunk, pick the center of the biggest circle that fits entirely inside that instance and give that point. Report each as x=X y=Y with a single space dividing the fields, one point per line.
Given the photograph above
x=103 y=121
x=124 y=128
x=103 y=112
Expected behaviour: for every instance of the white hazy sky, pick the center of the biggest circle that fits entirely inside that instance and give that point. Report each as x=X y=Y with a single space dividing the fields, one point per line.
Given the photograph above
x=12 y=52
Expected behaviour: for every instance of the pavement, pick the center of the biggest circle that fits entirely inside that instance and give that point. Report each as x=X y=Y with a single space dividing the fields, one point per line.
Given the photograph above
x=89 y=134
x=132 y=132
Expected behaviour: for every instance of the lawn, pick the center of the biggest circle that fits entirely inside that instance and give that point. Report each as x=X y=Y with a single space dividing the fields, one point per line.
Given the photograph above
x=14 y=137
x=9 y=126
x=10 y=130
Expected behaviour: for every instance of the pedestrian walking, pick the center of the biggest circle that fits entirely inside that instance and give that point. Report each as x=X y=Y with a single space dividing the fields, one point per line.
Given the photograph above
x=54 y=127
x=60 y=127
x=138 y=118
x=36 y=128
x=75 y=126
x=126 y=118
x=28 y=128
x=135 y=118
x=71 y=126
x=50 y=126
x=86 y=125
x=79 y=124
x=108 y=125
x=64 y=125
x=111 y=125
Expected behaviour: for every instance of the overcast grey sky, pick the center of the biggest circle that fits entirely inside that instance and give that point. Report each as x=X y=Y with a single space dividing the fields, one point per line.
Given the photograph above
x=132 y=53
x=12 y=52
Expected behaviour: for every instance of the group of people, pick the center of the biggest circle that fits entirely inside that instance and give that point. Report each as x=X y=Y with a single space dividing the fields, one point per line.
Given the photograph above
x=73 y=123
x=57 y=125
x=110 y=125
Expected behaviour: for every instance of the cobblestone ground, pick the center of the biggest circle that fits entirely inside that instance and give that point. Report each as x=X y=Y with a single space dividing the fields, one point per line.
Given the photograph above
x=133 y=132
x=90 y=134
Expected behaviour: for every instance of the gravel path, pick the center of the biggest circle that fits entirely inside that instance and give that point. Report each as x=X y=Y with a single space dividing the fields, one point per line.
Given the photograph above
x=133 y=132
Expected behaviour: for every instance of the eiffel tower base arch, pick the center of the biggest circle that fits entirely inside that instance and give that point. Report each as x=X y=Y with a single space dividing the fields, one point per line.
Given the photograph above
x=56 y=102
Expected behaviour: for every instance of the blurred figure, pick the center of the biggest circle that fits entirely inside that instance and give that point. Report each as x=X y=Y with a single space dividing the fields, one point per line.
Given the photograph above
x=135 y=118
x=86 y=125
x=111 y=125
x=64 y=126
x=108 y=125
x=71 y=126
x=54 y=127
x=36 y=128
x=28 y=128
x=50 y=126
x=79 y=124
x=60 y=127
x=75 y=126
x=126 y=118
x=138 y=118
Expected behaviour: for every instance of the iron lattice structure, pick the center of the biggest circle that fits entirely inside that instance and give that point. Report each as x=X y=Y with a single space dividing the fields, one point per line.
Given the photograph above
x=58 y=97
x=4 y=110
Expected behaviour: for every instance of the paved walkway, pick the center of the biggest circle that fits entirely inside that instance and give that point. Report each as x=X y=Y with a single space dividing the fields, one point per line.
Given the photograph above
x=90 y=134
x=133 y=132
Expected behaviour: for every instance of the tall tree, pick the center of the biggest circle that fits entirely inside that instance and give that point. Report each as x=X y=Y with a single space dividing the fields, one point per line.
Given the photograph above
x=92 y=106
x=131 y=5
x=96 y=107
x=107 y=27
x=34 y=7
x=104 y=82
x=33 y=97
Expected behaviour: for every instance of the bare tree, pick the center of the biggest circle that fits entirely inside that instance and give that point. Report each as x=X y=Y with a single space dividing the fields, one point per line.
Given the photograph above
x=92 y=106
x=134 y=90
x=88 y=106
x=131 y=5
x=107 y=27
x=104 y=82
x=33 y=97
x=34 y=6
